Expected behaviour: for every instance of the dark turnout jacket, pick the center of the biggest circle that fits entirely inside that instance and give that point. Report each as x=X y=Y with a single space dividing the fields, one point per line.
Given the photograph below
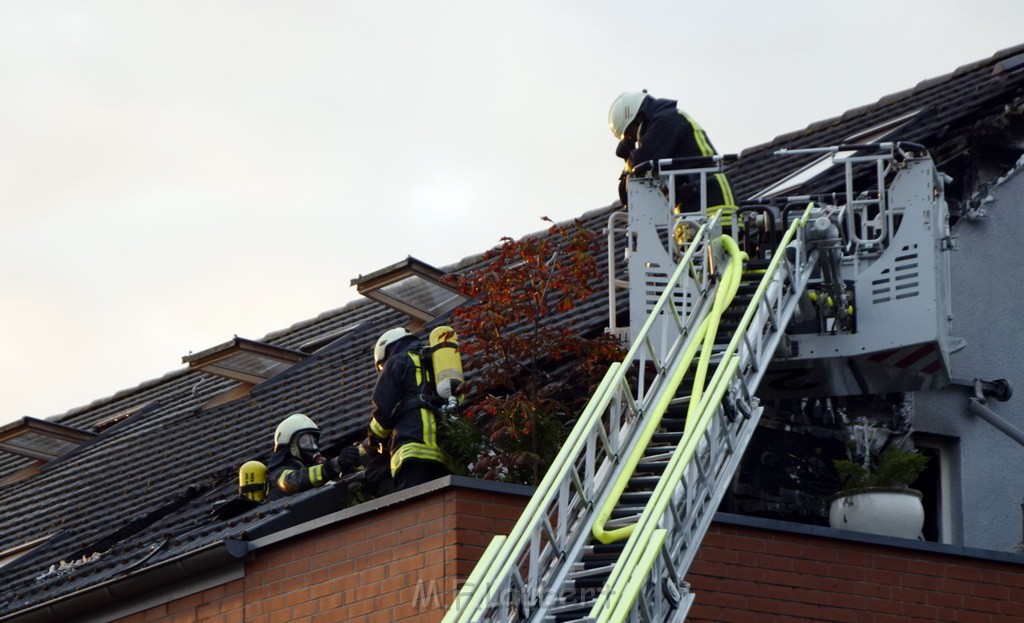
x=399 y=413
x=667 y=132
x=288 y=475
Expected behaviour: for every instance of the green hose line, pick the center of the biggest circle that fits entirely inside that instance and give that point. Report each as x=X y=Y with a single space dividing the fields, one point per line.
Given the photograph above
x=631 y=462
x=640 y=540
x=636 y=559
x=723 y=298
x=704 y=338
x=759 y=294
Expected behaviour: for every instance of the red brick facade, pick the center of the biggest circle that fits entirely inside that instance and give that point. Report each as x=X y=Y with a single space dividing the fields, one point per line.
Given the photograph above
x=398 y=564
x=402 y=563
x=745 y=574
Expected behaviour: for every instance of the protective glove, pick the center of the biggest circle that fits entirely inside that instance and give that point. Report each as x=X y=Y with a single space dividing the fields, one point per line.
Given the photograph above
x=331 y=469
x=625 y=147
x=349 y=458
x=378 y=468
x=371 y=445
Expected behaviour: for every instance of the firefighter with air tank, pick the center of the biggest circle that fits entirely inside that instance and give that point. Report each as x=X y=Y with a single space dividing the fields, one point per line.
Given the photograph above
x=409 y=396
x=415 y=385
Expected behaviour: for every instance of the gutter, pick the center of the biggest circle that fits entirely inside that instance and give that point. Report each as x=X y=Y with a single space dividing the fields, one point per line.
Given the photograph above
x=213 y=565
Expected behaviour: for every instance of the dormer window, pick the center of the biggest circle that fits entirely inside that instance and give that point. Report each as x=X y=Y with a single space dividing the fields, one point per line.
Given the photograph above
x=244 y=360
x=413 y=288
x=247 y=361
x=40 y=441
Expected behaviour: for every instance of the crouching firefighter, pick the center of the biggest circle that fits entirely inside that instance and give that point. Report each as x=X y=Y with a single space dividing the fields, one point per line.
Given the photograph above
x=297 y=464
x=404 y=411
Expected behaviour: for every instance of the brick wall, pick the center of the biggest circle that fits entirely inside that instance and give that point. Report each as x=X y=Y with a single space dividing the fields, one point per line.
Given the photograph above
x=404 y=563
x=747 y=574
x=400 y=563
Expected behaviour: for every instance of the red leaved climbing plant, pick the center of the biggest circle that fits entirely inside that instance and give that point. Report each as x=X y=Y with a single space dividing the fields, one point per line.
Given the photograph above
x=531 y=368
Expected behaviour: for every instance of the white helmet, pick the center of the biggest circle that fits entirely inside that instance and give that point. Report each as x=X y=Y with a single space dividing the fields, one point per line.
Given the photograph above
x=623 y=111
x=381 y=347
x=291 y=426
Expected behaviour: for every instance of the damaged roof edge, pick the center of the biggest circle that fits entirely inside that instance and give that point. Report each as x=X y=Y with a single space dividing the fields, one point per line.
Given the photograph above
x=213 y=565
x=1008 y=56
x=216 y=564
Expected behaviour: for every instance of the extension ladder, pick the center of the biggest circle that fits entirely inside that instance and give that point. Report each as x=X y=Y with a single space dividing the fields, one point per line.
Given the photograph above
x=616 y=522
x=624 y=505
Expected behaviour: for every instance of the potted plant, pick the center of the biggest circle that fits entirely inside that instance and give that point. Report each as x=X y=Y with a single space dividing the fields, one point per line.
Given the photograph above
x=875 y=494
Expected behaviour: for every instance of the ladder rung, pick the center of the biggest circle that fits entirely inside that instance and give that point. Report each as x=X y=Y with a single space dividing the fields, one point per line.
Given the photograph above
x=620 y=522
x=635 y=497
x=628 y=511
x=643 y=481
x=591 y=572
x=667 y=437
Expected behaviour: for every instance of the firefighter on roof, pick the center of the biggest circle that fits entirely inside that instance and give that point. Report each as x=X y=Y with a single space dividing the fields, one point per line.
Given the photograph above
x=297 y=464
x=404 y=410
x=653 y=129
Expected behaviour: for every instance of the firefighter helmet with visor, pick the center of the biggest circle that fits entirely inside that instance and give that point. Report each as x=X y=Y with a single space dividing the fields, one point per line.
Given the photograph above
x=300 y=434
x=380 y=348
x=623 y=112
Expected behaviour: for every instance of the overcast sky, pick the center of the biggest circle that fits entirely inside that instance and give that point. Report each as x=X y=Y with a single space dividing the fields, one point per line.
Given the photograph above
x=175 y=173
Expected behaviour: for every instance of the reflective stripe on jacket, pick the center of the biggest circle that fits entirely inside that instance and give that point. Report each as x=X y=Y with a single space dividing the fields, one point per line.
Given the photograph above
x=289 y=475
x=671 y=133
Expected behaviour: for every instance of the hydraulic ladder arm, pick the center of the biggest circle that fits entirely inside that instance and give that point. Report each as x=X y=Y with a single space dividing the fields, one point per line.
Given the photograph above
x=529 y=574
x=615 y=524
x=648 y=582
x=517 y=572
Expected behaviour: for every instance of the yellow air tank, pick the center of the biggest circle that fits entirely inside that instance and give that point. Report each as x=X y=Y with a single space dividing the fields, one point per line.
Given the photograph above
x=447 y=363
x=252 y=481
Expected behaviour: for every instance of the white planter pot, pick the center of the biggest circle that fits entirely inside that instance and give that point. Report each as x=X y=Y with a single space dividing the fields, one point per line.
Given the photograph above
x=879 y=510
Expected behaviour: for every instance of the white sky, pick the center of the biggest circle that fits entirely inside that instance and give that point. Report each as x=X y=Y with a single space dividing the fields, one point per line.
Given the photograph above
x=176 y=173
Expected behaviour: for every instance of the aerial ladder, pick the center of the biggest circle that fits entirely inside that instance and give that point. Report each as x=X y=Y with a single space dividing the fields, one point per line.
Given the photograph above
x=724 y=298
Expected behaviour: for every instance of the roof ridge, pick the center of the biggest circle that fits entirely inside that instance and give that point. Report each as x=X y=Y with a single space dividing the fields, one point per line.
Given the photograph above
x=119 y=394
x=171 y=375
x=322 y=316
x=927 y=83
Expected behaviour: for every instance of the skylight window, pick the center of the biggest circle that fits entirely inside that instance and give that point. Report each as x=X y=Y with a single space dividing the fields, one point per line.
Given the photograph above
x=802 y=176
x=121 y=416
x=1009 y=66
x=41 y=440
x=244 y=360
x=412 y=287
x=819 y=166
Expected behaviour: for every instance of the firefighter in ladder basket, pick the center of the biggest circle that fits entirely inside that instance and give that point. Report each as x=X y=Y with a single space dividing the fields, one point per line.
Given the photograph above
x=649 y=128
